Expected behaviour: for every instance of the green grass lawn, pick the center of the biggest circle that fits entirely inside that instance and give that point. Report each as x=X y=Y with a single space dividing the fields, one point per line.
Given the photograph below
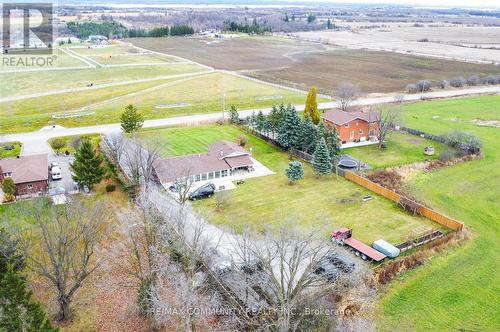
x=70 y=140
x=201 y=94
x=401 y=149
x=458 y=291
x=21 y=84
x=269 y=201
x=59 y=58
x=6 y=151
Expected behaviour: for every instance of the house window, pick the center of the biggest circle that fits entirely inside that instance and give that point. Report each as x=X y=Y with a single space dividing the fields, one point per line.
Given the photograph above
x=210 y=175
x=30 y=186
x=224 y=173
x=204 y=176
x=361 y=131
x=371 y=132
x=346 y=125
x=351 y=135
x=217 y=174
x=8 y=174
x=197 y=177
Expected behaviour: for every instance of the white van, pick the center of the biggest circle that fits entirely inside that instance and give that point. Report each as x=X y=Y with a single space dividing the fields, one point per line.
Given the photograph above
x=55 y=173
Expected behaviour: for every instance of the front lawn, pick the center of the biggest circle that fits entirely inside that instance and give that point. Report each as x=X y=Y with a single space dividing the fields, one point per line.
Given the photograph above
x=10 y=149
x=328 y=203
x=71 y=141
x=401 y=148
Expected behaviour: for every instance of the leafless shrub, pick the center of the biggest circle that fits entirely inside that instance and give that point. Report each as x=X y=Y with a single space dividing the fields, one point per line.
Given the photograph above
x=458 y=82
x=412 y=88
x=388 y=179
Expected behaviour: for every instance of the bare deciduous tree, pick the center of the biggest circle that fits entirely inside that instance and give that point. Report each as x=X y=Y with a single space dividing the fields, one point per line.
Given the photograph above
x=139 y=160
x=116 y=143
x=61 y=243
x=389 y=117
x=345 y=94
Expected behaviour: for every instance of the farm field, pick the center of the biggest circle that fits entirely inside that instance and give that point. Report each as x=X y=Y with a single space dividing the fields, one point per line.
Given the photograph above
x=301 y=64
x=158 y=99
x=446 y=40
x=401 y=149
x=21 y=84
x=61 y=60
x=459 y=290
x=326 y=203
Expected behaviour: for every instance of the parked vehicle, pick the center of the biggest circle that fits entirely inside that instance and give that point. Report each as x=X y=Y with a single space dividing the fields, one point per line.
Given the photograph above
x=53 y=164
x=343 y=236
x=203 y=192
x=55 y=173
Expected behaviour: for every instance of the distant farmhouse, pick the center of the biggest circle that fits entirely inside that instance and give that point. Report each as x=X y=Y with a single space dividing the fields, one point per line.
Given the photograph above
x=223 y=160
x=354 y=127
x=29 y=173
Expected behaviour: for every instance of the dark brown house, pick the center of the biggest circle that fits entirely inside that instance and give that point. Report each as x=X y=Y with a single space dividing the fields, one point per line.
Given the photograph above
x=29 y=173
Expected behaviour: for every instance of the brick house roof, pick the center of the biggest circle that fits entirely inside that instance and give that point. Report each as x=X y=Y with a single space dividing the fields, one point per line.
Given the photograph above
x=222 y=155
x=340 y=117
x=24 y=169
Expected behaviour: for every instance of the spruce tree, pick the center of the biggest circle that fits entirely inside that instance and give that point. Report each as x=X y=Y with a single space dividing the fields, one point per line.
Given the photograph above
x=234 y=117
x=289 y=132
x=311 y=107
x=322 y=163
x=308 y=136
x=260 y=120
x=294 y=172
x=131 y=120
x=331 y=137
x=18 y=312
x=87 y=166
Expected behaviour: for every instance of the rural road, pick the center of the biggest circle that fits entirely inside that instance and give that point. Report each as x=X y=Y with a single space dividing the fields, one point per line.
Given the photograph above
x=35 y=142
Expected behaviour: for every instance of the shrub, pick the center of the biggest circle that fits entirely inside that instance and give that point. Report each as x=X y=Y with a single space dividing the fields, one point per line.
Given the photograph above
x=220 y=121
x=443 y=84
x=466 y=142
x=8 y=186
x=110 y=188
x=57 y=144
x=412 y=88
x=458 y=82
x=388 y=179
x=473 y=80
x=423 y=85
x=7 y=198
x=446 y=155
x=241 y=140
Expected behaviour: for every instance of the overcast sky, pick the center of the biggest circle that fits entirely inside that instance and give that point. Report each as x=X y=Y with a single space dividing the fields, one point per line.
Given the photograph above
x=433 y=3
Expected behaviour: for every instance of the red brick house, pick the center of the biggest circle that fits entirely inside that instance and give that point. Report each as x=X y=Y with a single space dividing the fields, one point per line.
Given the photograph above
x=356 y=126
x=29 y=173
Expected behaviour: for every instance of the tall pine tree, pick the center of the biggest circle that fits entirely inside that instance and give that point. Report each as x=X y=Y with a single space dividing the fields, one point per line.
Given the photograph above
x=308 y=136
x=289 y=132
x=87 y=167
x=311 y=107
x=322 y=163
x=331 y=137
x=131 y=120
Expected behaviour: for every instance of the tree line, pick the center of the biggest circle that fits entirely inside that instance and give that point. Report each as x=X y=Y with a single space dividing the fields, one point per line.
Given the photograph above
x=114 y=29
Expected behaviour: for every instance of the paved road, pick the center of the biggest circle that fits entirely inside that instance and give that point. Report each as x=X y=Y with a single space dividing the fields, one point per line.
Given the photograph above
x=35 y=142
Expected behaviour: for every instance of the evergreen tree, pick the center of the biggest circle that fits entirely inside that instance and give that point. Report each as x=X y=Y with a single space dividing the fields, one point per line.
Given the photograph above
x=131 y=119
x=322 y=163
x=294 y=172
x=87 y=166
x=252 y=120
x=289 y=132
x=275 y=118
x=260 y=120
x=18 y=312
x=234 y=116
x=331 y=137
x=8 y=186
x=308 y=136
x=311 y=107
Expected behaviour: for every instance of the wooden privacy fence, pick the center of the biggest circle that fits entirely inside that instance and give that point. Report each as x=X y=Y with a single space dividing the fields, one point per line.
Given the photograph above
x=395 y=197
